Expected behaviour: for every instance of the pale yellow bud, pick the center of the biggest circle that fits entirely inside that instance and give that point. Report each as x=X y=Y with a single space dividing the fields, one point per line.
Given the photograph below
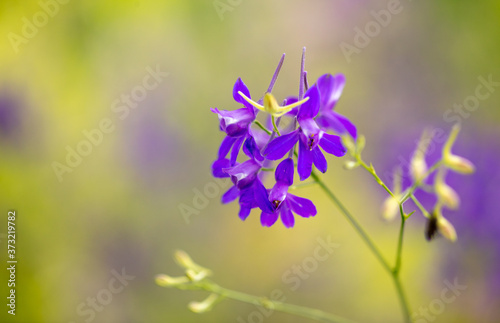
x=350 y=164
x=418 y=168
x=197 y=276
x=205 y=306
x=390 y=208
x=447 y=195
x=446 y=229
x=459 y=164
x=168 y=281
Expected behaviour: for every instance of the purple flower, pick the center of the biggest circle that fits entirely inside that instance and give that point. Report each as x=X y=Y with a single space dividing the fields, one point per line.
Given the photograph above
x=235 y=124
x=278 y=201
x=311 y=136
x=246 y=198
x=330 y=89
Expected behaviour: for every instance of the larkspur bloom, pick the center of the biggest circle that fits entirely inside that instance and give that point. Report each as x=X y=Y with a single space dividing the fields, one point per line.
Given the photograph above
x=278 y=201
x=262 y=147
x=236 y=124
x=310 y=136
x=330 y=88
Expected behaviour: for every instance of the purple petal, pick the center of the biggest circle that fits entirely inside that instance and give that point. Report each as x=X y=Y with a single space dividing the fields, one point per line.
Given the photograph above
x=319 y=160
x=311 y=133
x=235 y=123
x=244 y=212
x=244 y=174
x=305 y=162
x=330 y=88
x=301 y=206
x=251 y=150
x=225 y=146
x=261 y=197
x=284 y=172
x=310 y=108
x=236 y=149
x=218 y=168
x=348 y=125
x=247 y=198
x=332 y=144
x=278 y=194
x=260 y=136
x=287 y=216
x=280 y=146
x=337 y=122
x=268 y=219
x=240 y=86
x=230 y=195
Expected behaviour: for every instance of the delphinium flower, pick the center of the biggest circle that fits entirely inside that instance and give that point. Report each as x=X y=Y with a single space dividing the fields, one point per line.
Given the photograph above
x=310 y=137
x=278 y=201
x=263 y=147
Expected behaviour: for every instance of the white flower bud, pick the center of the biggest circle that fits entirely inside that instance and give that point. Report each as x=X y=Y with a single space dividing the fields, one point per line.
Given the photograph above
x=459 y=164
x=390 y=208
x=168 y=281
x=195 y=276
x=446 y=229
x=418 y=168
x=447 y=195
x=205 y=306
x=350 y=164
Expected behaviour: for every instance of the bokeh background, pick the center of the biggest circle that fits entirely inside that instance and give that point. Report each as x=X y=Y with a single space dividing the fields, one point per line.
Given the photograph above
x=119 y=208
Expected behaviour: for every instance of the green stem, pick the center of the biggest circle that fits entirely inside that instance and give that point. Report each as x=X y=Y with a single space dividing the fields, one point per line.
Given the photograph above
x=274 y=305
x=394 y=272
x=275 y=127
x=354 y=222
x=397 y=268
x=371 y=170
x=402 y=298
x=261 y=126
x=420 y=206
x=415 y=185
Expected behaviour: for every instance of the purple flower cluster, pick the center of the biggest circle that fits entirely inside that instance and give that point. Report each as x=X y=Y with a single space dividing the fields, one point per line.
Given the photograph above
x=310 y=122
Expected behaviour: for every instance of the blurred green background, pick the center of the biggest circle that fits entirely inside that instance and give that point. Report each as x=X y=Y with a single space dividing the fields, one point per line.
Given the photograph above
x=118 y=209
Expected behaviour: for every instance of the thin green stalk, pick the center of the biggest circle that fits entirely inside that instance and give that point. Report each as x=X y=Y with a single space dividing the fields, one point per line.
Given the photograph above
x=261 y=126
x=354 y=222
x=275 y=305
x=275 y=127
x=394 y=272
x=397 y=265
x=415 y=185
x=420 y=206
x=402 y=298
x=371 y=170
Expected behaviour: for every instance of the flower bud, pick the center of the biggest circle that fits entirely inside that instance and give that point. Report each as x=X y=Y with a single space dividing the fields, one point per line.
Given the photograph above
x=390 y=208
x=350 y=164
x=195 y=276
x=446 y=229
x=459 y=164
x=447 y=195
x=205 y=306
x=168 y=281
x=418 y=168
x=185 y=261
